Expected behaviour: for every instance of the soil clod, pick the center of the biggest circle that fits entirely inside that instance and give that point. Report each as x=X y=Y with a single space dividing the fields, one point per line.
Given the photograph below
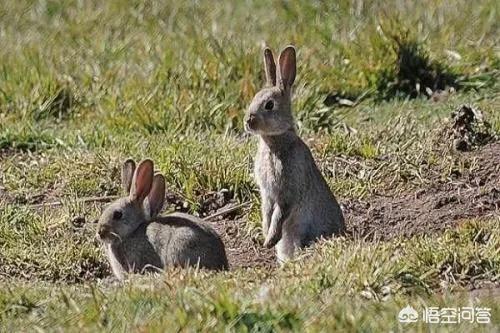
x=468 y=129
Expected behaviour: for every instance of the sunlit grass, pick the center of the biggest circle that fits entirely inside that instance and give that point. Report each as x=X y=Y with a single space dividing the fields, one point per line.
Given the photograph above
x=86 y=84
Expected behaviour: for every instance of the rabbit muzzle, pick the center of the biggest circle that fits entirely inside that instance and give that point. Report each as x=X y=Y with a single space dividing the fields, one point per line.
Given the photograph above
x=104 y=233
x=251 y=123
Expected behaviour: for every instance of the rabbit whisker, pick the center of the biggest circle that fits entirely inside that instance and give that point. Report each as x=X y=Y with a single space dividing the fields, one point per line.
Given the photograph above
x=116 y=235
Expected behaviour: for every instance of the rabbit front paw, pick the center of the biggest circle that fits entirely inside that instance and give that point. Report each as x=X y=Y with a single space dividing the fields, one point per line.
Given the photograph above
x=272 y=239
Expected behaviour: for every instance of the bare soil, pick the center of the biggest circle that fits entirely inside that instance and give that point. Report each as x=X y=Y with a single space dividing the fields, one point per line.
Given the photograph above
x=243 y=250
x=440 y=206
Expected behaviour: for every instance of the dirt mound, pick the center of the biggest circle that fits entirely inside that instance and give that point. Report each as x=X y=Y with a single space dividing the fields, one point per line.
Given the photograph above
x=467 y=129
x=440 y=206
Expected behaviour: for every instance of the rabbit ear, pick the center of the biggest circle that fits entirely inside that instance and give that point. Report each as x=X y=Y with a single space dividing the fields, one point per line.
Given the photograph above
x=128 y=169
x=288 y=68
x=142 y=181
x=270 y=67
x=156 y=197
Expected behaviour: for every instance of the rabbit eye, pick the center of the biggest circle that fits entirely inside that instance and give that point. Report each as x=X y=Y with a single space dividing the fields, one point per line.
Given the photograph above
x=117 y=215
x=269 y=105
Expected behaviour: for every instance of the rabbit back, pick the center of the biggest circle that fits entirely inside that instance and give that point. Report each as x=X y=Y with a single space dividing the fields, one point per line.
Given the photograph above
x=184 y=240
x=174 y=240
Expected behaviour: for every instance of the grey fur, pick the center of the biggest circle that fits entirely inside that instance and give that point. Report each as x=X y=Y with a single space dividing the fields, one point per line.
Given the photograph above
x=297 y=204
x=140 y=241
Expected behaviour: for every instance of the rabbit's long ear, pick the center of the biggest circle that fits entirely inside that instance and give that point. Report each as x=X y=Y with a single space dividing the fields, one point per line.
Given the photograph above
x=142 y=181
x=270 y=67
x=128 y=169
x=288 y=68
x=156 y=197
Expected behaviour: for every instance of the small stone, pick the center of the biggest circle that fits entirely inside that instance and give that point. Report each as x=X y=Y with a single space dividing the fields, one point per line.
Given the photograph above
x=366 y=294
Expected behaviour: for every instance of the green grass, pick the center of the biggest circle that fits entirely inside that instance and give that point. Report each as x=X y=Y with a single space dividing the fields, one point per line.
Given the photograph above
x=342 y=285
x=84 y=85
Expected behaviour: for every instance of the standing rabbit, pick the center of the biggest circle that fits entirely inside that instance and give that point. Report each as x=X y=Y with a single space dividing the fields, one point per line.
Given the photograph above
x=297 y=204
x=137 y=239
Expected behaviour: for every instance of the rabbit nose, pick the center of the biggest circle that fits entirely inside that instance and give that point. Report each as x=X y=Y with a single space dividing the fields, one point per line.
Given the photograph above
x=251 y=121
x=103 y=231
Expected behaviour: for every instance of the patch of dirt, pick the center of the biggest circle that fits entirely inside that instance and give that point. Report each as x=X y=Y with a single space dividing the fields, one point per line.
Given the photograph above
x=243 y=250
x=433 y=209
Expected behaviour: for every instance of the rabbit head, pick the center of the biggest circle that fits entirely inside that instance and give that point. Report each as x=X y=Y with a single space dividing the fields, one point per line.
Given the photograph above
x=146 y=194
x=270 y=112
